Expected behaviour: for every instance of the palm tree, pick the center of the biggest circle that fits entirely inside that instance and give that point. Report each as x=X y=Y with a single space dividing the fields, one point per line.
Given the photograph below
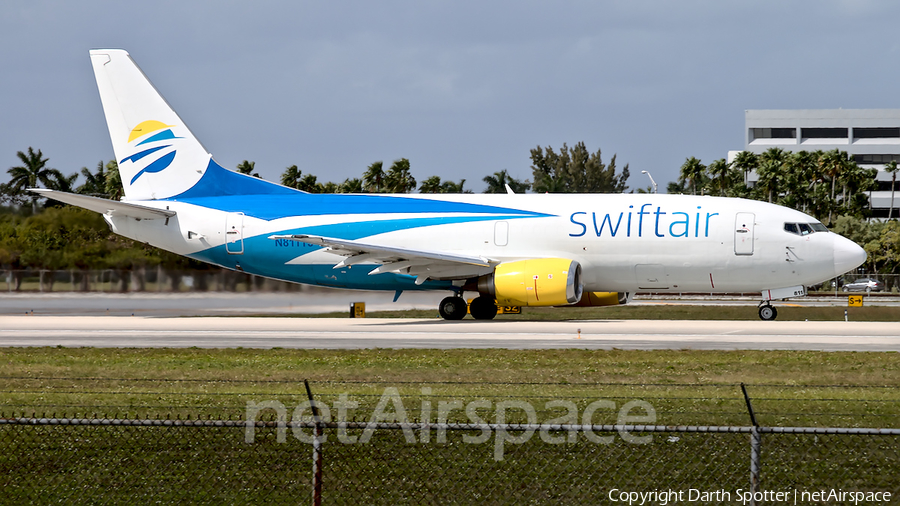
x=451 y=187
x=892 y=168
x=33 y=170
x=692 y=173
x=309 y=184
x=399 y=179
x=771 y=172
x=745 y=161
x=431 y=185
x=720 y=172
x=833 y=165
x=246 y=167
x=291 y=176
x=113 y=181
x=497 y=183
x=94 y=182
x=351 y=186
x=373 y=179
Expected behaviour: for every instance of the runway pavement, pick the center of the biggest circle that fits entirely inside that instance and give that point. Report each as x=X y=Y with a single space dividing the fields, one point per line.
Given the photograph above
x=334 y=333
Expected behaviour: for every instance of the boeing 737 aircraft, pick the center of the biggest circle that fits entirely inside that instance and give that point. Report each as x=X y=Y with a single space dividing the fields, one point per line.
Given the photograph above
x=512 y=249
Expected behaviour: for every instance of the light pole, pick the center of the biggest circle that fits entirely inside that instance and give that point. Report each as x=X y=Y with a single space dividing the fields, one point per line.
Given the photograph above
x=655 y=187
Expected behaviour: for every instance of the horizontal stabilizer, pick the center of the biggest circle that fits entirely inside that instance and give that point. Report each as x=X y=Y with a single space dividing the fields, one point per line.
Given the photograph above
x=105 y=206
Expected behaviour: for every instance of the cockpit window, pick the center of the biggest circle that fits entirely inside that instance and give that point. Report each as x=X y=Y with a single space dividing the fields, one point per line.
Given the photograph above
x=804 y=228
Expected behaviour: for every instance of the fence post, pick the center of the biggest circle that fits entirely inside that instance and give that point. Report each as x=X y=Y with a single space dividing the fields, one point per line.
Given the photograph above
x=317 y=449
x=755 y=443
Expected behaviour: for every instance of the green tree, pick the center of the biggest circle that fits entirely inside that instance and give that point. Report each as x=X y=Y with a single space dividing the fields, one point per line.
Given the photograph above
x=309 y=184
x=398 y=178
x=833 y=164
x=746 y=162
x=373 y=179
x=770 y=172
x=692 y=174
x=351 y=186
x=720 y=176
x=431 y=185
x=94 y=182
x=575 y=170
x=496 y=183
x=291 y=176
x=452 y=187
x=892 y=168
x=247 y=167
x=114 y=187
x=31 y=174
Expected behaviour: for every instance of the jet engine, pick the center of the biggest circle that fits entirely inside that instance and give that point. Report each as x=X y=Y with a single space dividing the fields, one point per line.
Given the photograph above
x=535 y=282
x=603 y=299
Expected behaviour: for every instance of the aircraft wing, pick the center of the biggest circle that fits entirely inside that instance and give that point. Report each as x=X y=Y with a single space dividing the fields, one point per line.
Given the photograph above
x=106 y=206
x=419 y=263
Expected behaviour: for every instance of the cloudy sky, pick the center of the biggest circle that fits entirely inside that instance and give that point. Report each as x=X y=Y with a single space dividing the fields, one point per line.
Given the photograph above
x=461 y=88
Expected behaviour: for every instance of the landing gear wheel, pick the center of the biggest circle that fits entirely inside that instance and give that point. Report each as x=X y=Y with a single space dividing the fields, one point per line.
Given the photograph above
x=452 y=308
x=483 y=308
x=767 y=312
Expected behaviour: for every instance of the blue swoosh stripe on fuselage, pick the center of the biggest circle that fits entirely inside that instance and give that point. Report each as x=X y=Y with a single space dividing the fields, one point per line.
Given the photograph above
x=228 y=191
x=263 y=258
x=271 y=207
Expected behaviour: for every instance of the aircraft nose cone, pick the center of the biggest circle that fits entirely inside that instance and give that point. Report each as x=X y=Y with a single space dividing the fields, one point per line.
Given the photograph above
x=847 y=255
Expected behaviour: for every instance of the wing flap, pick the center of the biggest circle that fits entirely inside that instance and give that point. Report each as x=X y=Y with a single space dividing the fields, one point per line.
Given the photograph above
x=426 y=264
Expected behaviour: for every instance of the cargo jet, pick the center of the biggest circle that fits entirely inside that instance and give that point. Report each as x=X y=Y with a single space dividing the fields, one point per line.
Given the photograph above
x=510 y=249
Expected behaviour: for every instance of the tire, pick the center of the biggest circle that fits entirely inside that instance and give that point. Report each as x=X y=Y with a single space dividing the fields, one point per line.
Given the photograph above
x=768 y=313
x=452 y=308
x=483 y=308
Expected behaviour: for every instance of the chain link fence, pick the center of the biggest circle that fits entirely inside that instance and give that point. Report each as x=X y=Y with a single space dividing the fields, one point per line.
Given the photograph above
x=408 y=444
x=103 y=461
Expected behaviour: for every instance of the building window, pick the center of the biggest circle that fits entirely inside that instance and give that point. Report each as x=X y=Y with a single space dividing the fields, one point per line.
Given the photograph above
x=773 y=133
x=875 y=159
x=876 y=132
x=824 y=133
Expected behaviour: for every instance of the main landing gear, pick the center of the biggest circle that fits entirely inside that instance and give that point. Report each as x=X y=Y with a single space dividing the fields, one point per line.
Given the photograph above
x=766 y=311
x=454 y=308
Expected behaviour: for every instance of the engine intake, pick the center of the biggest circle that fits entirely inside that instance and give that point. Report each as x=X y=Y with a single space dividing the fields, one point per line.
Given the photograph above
x=535 y=282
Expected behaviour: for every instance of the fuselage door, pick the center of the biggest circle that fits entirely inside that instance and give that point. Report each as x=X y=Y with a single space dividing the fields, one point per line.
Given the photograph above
x=501 y=233
x=743 y=233
x=234 y=233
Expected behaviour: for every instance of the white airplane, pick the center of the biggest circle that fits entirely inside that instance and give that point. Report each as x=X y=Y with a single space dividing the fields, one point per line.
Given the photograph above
x=512 y=249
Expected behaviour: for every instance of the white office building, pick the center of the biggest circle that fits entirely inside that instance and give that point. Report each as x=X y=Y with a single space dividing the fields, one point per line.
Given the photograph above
x=871 y=136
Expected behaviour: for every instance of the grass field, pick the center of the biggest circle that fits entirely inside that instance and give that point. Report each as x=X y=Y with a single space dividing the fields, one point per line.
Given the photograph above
x=685 y=386
x=115 y=465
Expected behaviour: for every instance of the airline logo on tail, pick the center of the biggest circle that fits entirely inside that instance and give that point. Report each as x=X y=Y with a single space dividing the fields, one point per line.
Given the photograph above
x=153 y=147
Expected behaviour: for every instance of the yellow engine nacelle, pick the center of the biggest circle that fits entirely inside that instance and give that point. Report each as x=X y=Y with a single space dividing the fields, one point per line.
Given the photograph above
x=603 y=299
x=537 y=282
